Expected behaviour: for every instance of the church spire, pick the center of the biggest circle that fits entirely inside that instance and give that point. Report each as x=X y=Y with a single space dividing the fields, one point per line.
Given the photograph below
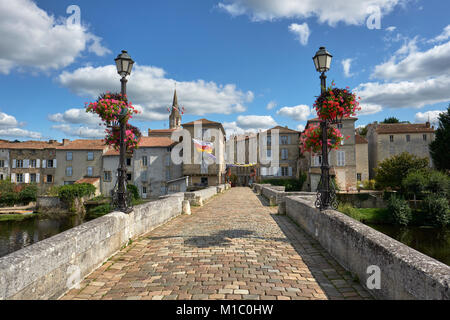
x=175 y=115
x=175 y=100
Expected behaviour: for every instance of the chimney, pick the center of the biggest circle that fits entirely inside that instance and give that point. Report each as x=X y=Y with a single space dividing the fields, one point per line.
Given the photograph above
x=51 y=141
x=65 y=142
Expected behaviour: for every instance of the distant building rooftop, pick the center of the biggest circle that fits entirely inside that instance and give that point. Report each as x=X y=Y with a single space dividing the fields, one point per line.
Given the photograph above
x=386 y=128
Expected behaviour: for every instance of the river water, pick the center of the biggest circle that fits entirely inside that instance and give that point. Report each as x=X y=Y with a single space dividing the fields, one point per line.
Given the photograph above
x=15 y=235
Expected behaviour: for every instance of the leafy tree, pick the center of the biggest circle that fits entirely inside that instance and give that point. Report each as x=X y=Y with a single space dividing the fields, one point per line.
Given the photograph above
x=439 y=148
x=438 y=183
x=134 y=191
x=362 y=131
x=437 y=210
x=391 y=171
x=414 y=183
x=391 y=120
x=400 y=210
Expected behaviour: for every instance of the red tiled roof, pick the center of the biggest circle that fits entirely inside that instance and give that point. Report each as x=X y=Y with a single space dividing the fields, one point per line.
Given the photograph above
x=385 y=128
x=29 y=145
x=202 y=121
x=154 y=142
x=359 y=139
x=283 y=129
x=83 y=144
x=111 y=152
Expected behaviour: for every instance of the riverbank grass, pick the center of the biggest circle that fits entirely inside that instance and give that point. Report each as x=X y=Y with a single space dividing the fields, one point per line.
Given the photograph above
x=366 y=215
x=17 y=217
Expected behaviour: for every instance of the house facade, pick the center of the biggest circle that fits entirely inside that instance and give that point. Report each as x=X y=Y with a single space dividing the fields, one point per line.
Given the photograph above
x=388 y=139
x=362 y=159
x=4 y=161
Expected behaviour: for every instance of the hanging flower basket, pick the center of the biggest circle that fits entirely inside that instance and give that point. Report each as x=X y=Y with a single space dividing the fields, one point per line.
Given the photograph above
x=132 y=137
x=109 y=107
x=335 y=104
x=311 y=139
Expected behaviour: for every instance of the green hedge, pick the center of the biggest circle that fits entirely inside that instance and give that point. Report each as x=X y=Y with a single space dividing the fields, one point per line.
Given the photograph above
x=290 y=184
x=11 y=194
x=69 y=192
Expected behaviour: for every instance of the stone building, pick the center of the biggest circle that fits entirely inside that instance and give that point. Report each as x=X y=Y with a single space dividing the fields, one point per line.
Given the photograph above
x=153 y=168
x=31 y=162
x=203 y=173
x=241 y=165
x=362 y=158
x=4 y=161
x=389 y=139
x=288 y=155
x=342 y=161
x=79 y=159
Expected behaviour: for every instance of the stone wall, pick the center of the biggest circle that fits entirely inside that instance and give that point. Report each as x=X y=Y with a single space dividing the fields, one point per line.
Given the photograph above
x=197 y=198
x=48 y=268
x=362 y=200
x=405 y=273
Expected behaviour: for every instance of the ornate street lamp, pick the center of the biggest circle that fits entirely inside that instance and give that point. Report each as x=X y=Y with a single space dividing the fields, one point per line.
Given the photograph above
x=124 y=64
x=326 y=196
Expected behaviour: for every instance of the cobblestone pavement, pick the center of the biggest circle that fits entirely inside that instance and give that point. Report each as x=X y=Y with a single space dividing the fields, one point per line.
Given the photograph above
x=234 y=247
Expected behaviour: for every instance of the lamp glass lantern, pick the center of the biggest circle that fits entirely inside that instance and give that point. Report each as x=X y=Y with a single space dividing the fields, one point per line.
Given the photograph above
x=124 y=64
x=322 y=60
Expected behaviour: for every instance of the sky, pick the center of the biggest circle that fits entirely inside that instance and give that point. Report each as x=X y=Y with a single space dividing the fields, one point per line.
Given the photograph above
x=245 y=63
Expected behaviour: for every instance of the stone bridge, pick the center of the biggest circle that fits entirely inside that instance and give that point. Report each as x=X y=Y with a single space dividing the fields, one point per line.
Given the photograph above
x=235 y=244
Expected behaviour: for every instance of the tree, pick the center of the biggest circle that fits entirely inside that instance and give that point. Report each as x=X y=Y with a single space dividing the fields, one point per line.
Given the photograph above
x=438 y=183
x=439 y=148
x=362 y=131
x=391 y=171
x=414 y=183
x=391 y=120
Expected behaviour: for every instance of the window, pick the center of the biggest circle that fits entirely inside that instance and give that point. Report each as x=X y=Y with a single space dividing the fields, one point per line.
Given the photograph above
x=269 y=140
x=128 y=176
x=283 y=139
x=49 y=163
x=128 y=161
x=33 y=163
x=408 y=138
x=19 y=177
x=19 y=163
x=68 y=171
x=144 y=176
x=1 y=176
x=107 y=176
x=69 y=156
x=269 y=153
x=204 y=181
x=49 y=178
x=144 y=190
x=90 y=171
x=284 y=171
x=33 y=177
x=391 y=138
x=90 y=155
x=339 y=125
x=2 y=164
x=424 y=137
x=144 y=161
x=341 y=158
x=358 y=176
x=284 y=154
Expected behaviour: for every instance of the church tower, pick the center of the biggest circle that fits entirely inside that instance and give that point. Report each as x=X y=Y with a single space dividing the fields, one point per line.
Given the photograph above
x=175 y=116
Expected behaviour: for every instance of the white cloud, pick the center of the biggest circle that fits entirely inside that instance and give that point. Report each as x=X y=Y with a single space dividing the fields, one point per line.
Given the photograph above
x=301 y=31
x=298 y=113
x=431 y=116
x=31 y=38
x=272 y=104
x=300 y=127
x=443 y=36
x=367 y=109
x=352 y=12
x=7 y=121
x=346 y=65
x=75 y=116
x=150 y=89
x=81 y=131
x=405 y=94
x=391 y=28
x=416 y=65
x=248 y=124
x=19 y=133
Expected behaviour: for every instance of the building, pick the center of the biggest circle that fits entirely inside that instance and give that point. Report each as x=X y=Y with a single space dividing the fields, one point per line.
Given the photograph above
x=79 y=159
x=153 y=170
x=288 y=155
x=30 y=162
x=389 y=139
x=204 y=174
x=342 y=161
x=242 y=166
x=362 y=158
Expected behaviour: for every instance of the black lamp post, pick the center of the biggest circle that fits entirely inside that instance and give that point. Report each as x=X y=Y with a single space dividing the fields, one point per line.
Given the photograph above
x=325 y=195
x=124 y=64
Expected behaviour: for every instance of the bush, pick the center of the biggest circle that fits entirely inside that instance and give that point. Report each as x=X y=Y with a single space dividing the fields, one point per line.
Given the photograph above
x=414 y=183
x=438 y=183
x=369 y=184
x=289 y=184
x=134 y=191
x=28 y=194
x=71 y=191
x=399 y=210
x=437 y=210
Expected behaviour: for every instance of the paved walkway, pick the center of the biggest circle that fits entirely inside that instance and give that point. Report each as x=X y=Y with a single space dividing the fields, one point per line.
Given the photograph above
x=234 y=247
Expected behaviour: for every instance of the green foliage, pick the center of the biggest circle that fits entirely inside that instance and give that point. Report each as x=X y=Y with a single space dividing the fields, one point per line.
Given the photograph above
x=391 y=171
x=414 y=183
x=134 y=191
x=11 y=193
x=437 y=210
x=439 y=150
x=362 y=131
x=28 y=193
x=366 y=215
x=400 y=211
x=391 y=120
x=69 y=192
x=99 y=211
x=349 y=210
x=369 y=184
x=290 y=184
x=438 y=183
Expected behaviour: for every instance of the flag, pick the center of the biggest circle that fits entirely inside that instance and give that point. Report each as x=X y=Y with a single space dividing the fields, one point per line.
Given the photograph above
x=203 y=146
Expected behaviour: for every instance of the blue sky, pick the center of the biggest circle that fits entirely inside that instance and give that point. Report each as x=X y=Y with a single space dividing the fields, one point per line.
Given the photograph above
x=244 y=63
